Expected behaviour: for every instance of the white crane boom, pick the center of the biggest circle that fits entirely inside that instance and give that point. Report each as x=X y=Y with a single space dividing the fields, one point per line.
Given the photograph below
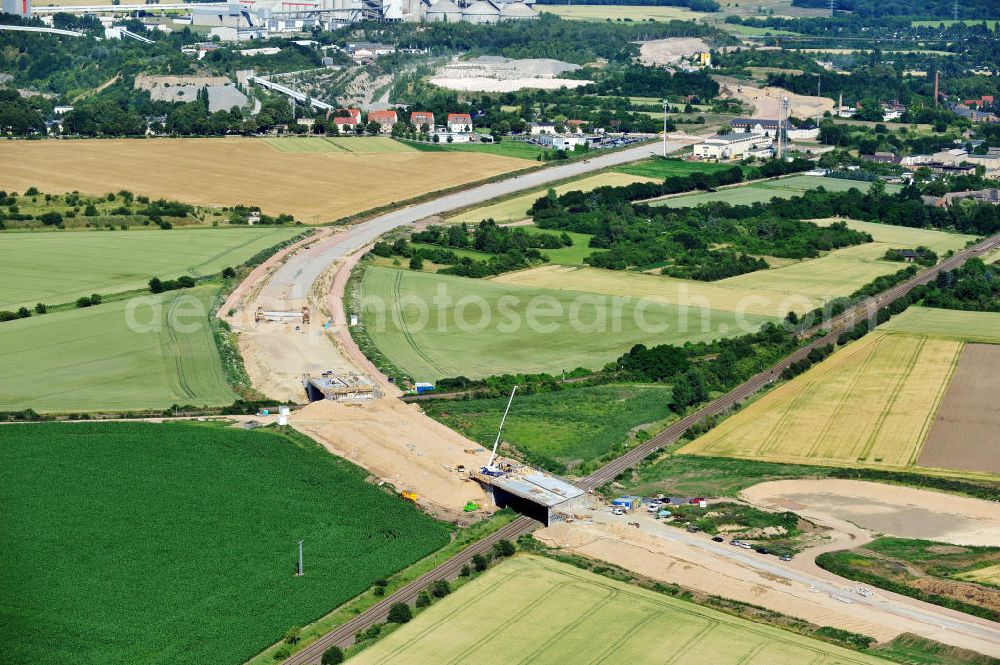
x=493 y=455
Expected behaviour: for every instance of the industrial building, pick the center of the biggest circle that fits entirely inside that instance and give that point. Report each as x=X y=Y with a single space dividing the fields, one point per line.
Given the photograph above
x=19 y=7
x=734 y=146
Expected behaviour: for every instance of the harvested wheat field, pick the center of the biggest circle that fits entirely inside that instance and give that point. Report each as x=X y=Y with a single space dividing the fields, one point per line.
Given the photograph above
x=315 y=187
x=398 y=444
x=964 y=434
x=870 y=404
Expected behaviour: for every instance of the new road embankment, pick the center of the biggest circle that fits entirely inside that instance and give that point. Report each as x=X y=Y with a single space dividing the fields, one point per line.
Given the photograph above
x=344 y=634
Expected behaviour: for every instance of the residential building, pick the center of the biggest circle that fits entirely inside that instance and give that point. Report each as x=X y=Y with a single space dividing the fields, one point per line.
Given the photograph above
x=459 y=122
x=737 y=145
x=937 y=168
x=420 y=119
x=347 y=123
x=991 y=195
x=386 y=119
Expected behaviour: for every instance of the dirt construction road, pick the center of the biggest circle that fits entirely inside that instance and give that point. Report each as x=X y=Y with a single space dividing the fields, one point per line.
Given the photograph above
x=797 y=588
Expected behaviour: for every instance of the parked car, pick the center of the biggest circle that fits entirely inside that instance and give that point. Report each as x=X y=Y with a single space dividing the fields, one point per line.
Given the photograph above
x=617 y=511
x=786 y=557
x=736 y=543
x=718 y=539
x=696 y=500
x=762 y=550
x=693 y=528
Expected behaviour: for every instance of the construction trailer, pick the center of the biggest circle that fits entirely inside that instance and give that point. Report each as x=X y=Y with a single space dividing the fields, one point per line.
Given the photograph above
x=627 y=503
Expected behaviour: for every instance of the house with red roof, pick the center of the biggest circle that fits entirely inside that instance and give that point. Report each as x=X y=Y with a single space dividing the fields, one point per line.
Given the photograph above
x=346 y=123
x=459 y=122
x=386 y=119
x=420 y=118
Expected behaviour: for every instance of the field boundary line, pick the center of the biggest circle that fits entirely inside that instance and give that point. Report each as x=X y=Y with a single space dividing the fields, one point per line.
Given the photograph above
x=771 y=440
x=405 y=329
x=598 y=605
x=193 y=269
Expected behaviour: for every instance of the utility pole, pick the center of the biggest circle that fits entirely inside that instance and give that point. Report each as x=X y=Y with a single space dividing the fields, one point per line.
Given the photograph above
x=833 y=8
x=666 y=105
x=954 y=9
x=300 y=571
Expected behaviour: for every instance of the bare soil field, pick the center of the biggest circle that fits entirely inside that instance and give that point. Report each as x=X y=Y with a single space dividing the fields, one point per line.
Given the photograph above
x=498 y=74
x=314 y=187
x=670 y=51
x=891 y=510
x=398 y=444
x=964 y=433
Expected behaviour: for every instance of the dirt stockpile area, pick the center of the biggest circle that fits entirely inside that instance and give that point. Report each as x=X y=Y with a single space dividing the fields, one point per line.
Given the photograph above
x=766 y=101
x=222 y=93
x=498 y=74
x=964 y=433
x=398 y=444
x=887 y=509
x=670 y=51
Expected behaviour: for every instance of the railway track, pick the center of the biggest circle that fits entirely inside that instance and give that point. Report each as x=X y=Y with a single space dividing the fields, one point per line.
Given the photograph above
x=344 y=634
x=449 y=570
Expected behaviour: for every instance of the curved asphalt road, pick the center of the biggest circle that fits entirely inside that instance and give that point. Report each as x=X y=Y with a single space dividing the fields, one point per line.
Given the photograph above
x=294 y=279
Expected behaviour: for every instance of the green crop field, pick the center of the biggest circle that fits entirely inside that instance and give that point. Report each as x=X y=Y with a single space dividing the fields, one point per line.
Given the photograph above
x=492 y=328
x=572 y=255
x=56 y=267
x=659 y=168
x=518 y=149
x=559 y=429
x=534 y=610
x=947 y=323
x=784 y=188
x=175 y=544
x=516 y=208
x=91 y=359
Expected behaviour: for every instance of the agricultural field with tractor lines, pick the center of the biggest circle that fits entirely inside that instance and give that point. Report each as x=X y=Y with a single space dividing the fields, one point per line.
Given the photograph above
x=150 y=352
x=174 y=544
x=59 y=267
x=560 y=614
x=487 y=328
x=761 y=192
x=870 y=404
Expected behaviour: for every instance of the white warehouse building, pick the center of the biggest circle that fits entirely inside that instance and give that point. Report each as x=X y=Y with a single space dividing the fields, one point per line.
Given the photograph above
x=737 y=145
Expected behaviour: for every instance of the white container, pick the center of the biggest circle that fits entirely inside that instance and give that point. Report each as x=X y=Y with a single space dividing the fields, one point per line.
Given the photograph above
x=282 y=420
x=282 y=410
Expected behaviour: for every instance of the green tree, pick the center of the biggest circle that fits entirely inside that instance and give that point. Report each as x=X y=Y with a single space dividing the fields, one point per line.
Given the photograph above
x=293 y=635
x=40 y=308
x=400 y=613
x=440 y=588
x=332 y=656
x=416 y=263
x=480 y=562
x=504 y=548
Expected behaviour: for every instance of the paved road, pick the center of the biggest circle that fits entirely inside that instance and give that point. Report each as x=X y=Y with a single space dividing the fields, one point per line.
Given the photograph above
x=294 y=279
